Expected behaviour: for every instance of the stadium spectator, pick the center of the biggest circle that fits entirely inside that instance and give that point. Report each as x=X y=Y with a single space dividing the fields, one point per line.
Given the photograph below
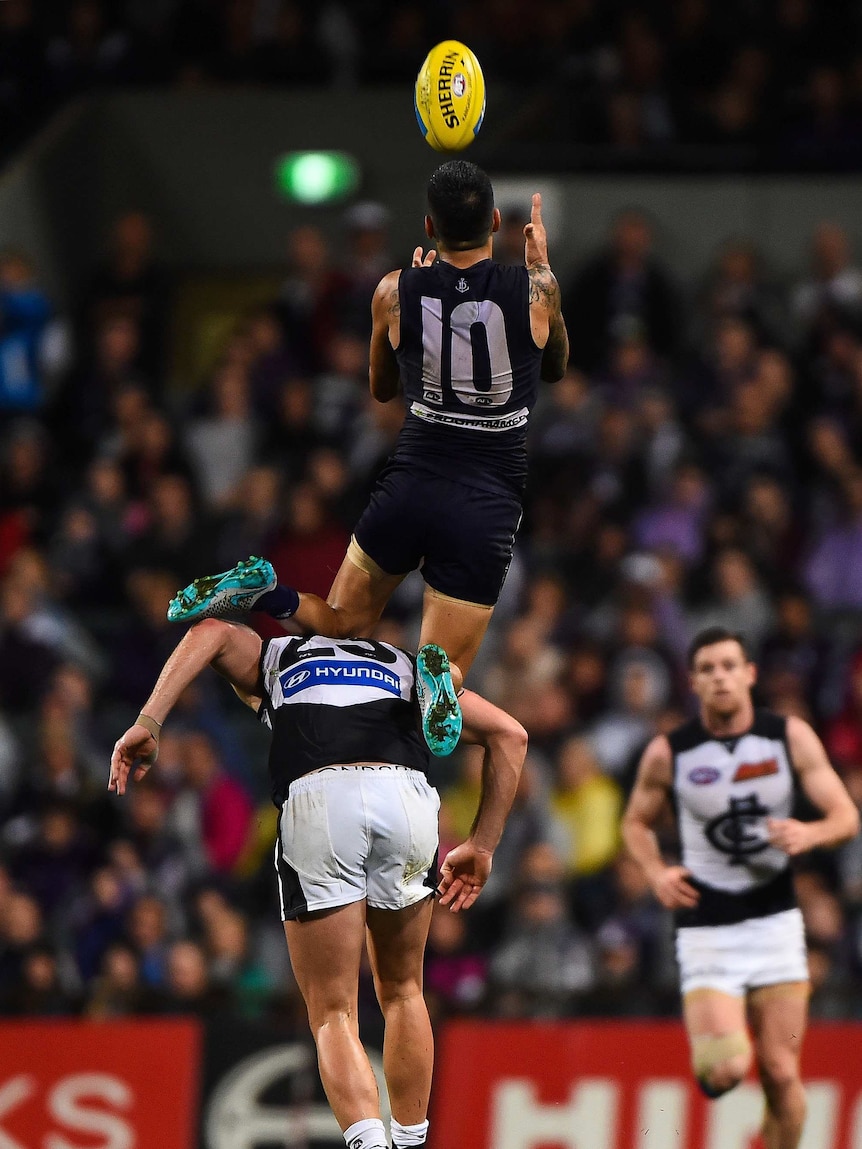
x=456 y=973
x=188 y=988
x=225 y=808
x=130 y=282
x=588 y=804
x=622 y=291
x=833 y=292
x=116 y=992
x=543 y=961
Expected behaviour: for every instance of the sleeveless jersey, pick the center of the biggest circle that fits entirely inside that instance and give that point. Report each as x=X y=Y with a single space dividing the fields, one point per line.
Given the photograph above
x=330 y=703
x=470 y=372
x=724 y=789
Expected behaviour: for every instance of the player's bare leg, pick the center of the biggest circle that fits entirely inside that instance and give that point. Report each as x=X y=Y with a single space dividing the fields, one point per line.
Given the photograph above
x=452 y=631
x=457 y=626
x=720 y=1048
x=325 y=953
x=352 y=609
x=356 y=599
x=396 y=946
x=778 y=1016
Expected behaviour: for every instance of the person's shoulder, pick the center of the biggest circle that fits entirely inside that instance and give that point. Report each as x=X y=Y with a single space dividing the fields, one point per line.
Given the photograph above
x=510 y=270
x=769 y=724
x=281 y=648
x=656 y=760
x=686 y=736
x=387 y=294
x=389 y=282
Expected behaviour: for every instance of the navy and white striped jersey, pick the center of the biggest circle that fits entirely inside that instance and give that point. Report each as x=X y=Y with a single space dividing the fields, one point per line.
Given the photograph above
x=331 y=702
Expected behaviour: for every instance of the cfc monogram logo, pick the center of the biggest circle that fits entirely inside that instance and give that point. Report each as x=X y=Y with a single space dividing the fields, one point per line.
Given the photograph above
x=736 y=832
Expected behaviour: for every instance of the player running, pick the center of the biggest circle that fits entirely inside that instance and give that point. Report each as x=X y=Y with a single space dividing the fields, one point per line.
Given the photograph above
x=357 y=840
x=729 y=776
x=466 y=341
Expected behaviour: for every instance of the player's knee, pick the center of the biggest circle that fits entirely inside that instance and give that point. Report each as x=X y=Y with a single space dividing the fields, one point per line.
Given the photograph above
x=778 y=1074
x=390 y=991
x=720 y=1063
x=211 y=626
x=329 y=1013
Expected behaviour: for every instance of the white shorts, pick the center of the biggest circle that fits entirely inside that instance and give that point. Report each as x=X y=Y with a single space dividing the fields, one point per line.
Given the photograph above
x=746 y=955
x=352 y=832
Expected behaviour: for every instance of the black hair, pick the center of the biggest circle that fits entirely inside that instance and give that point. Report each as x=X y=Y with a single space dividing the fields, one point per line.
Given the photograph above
x=461 y=205
x=710 y=636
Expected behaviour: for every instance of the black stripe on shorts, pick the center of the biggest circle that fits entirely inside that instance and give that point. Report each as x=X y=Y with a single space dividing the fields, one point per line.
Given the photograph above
x=432 y=879
x=291 y=899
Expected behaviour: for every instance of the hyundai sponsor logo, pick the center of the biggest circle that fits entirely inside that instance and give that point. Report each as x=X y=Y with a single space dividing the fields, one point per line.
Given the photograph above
x=332 y=672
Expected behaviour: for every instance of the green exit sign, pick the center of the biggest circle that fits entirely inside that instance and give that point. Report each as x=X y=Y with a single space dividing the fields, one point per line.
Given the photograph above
x=316 y=177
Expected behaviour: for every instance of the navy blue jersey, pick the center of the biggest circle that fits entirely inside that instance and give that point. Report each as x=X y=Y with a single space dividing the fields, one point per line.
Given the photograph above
x=329 y=703
x=470 y=372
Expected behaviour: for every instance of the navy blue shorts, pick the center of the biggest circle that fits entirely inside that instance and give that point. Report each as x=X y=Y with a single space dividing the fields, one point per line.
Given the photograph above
x=460 y=537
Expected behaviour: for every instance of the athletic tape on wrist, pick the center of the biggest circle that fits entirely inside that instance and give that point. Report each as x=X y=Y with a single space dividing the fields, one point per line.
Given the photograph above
x=154 y=728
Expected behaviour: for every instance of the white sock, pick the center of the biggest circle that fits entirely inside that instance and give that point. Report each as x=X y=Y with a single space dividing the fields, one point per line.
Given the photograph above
x=367 y=1134
x=403 y=1136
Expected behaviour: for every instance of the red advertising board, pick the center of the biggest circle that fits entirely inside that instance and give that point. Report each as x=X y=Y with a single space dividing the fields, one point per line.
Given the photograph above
x=616 y=1085
x=118 y=1085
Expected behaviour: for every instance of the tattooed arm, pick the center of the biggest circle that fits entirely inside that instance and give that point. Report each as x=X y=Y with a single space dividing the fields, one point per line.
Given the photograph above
x=546 y=317
x=383 y=375
x=545 y=311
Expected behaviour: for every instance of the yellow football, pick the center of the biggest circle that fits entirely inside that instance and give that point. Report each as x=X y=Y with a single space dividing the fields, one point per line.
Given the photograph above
x=450 y=96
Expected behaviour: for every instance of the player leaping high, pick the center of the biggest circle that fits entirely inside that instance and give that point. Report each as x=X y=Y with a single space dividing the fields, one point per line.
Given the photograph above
x=466 y=340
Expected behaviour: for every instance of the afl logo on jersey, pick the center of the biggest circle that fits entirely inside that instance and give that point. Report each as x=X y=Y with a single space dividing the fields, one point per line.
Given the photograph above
x=703 y=775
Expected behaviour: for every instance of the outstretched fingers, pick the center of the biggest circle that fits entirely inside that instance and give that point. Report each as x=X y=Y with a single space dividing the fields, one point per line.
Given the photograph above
x=121 y=764
x=136 y=743
x=458 y=894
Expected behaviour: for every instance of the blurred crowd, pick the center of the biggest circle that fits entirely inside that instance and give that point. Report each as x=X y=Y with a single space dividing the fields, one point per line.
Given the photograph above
x=741 y=83
x=699 y=463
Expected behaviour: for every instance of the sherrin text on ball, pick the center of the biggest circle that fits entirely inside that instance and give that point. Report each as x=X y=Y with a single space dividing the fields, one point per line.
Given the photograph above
x=450 y=96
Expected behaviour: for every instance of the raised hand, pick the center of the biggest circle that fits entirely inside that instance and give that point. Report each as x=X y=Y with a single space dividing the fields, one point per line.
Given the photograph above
x=423 y=261
x=536 y=245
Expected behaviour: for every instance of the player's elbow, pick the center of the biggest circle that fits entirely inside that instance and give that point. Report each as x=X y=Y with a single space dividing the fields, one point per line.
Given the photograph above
x=383 y=390
x=553 y=374
x=513 y=738
x=630 y=827
x=852 y=824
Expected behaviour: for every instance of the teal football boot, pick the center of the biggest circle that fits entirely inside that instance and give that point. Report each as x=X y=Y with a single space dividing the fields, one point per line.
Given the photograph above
x=220 y=595
x=438 y=703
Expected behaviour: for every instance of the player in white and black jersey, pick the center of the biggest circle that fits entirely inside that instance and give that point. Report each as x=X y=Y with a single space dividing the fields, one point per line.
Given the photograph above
x=357 y=839
x=730 y=776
